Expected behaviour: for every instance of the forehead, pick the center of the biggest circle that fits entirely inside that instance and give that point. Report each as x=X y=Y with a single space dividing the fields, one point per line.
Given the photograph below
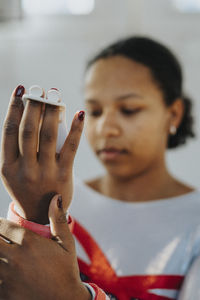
x=117 y=74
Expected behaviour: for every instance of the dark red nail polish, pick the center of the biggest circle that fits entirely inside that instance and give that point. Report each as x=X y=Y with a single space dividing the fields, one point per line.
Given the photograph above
x=59 y=202
x=81 y=115
x=19 y=91
x=54 y=89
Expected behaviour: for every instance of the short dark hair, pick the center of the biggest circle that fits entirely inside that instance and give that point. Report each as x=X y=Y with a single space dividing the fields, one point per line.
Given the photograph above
x=165 y=69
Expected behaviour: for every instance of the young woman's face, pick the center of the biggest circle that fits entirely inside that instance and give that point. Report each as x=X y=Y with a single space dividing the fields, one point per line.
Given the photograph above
x=127 y=121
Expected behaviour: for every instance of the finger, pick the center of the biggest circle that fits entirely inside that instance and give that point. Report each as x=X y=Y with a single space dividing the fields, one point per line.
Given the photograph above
x=68 y=151
x=48 y=133
x=29 y=129
x=10 y=149
x=58 y=225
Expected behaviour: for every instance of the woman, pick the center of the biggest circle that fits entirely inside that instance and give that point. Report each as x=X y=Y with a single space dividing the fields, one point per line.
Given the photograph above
x=137 y=227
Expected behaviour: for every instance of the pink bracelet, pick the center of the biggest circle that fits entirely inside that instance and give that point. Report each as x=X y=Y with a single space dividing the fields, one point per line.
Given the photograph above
x=43 y=230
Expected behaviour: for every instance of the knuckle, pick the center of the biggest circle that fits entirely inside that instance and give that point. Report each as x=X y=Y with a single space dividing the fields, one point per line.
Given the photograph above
x=16 y=104
x=28 y=131
x=73 y=145
x=47 y=136
x=10 y=127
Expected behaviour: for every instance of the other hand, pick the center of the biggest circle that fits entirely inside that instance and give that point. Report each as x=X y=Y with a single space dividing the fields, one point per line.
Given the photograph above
x=36 y=268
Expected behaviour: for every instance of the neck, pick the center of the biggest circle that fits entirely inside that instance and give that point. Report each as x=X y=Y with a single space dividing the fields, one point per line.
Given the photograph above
x=154 y=183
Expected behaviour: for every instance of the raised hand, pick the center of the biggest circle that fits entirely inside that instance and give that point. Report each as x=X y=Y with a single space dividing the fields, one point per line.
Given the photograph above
x=31 y=170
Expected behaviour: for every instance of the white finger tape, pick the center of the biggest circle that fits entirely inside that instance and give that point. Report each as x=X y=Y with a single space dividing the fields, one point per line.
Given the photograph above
x=53 y=97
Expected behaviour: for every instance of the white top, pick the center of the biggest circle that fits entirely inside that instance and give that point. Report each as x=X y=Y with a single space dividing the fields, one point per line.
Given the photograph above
x=159 y=237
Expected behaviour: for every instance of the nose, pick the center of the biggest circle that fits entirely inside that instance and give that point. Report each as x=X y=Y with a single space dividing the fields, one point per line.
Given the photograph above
x=108 y=125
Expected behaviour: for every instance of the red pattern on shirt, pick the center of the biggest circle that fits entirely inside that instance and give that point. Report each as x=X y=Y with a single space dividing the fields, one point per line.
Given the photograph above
x=100 y=272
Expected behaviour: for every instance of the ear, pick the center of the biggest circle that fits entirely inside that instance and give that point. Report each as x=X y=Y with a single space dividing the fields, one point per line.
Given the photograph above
x=176 y=111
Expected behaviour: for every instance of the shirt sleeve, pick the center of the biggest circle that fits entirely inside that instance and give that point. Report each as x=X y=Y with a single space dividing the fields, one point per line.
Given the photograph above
x=44 y=230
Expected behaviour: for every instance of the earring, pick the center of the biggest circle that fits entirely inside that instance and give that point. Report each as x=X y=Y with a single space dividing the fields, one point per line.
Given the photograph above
x=173 y=130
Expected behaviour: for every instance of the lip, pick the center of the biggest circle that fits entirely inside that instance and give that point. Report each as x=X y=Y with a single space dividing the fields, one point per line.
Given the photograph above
x=111 y=153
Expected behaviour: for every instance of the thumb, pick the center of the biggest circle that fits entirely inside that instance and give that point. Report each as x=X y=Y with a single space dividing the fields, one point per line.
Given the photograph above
x=58 y=224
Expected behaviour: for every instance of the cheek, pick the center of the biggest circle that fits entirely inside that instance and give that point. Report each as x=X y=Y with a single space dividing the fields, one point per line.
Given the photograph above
x=147 y=135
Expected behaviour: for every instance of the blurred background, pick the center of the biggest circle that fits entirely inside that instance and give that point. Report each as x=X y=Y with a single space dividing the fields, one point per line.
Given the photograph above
x=48 y=43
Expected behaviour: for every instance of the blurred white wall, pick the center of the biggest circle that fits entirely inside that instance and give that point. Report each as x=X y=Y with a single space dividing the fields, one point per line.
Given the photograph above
x=52 y=52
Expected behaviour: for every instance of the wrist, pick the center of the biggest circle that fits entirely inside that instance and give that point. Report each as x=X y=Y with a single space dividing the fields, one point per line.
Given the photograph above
x=30 y=216
x=42 y=230
x=35 y=210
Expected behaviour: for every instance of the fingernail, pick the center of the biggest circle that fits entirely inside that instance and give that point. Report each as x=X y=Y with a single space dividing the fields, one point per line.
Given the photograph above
x=19 y=91
x=81 y=115
x=59 y=202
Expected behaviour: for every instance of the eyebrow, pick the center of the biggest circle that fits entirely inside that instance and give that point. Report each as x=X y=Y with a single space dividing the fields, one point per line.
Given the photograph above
x=119 y=98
